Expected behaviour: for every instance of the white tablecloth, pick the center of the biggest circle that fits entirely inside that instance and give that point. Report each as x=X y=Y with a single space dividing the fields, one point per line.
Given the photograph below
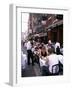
x=42 y=62
x=23 y=60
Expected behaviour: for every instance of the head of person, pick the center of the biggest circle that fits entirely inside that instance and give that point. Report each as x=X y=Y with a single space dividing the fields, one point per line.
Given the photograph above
x=50 y=50
x=49 y=41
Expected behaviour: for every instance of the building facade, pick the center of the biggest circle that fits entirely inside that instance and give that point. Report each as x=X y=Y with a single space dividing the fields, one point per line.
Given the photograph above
x=46 y=27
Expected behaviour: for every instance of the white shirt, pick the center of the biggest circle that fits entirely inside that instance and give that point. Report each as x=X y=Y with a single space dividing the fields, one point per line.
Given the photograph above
x=53 y=59
x=29 y=46
x=60 y=58
x=23 y=60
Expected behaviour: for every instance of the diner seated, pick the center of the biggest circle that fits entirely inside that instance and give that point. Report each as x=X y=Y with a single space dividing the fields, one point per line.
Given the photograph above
x=52 y=60
x=43 y=60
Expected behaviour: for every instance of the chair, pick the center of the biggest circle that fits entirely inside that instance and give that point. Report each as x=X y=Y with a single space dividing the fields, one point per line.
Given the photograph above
x=55 y=69
x=60 y=68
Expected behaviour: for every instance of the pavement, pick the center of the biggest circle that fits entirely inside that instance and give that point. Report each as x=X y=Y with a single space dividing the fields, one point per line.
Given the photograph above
x=30 y=70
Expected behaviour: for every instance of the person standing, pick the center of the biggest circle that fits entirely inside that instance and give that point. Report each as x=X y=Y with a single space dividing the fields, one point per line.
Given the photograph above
x=57 y=45
x=29 y=52
x=49 y=44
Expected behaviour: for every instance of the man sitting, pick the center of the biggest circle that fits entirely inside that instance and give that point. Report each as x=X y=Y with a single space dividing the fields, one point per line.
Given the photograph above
x=52 y=61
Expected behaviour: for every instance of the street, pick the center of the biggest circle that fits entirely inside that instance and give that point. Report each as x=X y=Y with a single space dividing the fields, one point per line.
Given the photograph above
x=30 y=70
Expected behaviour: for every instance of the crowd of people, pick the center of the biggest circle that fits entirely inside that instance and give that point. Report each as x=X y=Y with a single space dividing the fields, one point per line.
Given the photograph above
x=47 y=56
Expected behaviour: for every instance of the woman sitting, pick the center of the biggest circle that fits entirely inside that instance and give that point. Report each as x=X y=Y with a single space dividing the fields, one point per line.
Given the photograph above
x=43 y=52
x=43 y=60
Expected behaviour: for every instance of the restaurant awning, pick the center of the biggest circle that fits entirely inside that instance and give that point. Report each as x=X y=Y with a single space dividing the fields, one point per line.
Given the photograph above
x=40 y=35
x=55 y=24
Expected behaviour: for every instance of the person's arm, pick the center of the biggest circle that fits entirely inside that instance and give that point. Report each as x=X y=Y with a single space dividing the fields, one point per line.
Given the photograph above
x=47 y=51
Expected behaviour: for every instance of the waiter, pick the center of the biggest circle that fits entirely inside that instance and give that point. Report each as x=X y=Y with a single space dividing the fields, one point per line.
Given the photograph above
x=29 y=52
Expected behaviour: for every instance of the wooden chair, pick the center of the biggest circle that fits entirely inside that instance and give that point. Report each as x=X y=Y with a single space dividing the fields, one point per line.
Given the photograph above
x=55 y=69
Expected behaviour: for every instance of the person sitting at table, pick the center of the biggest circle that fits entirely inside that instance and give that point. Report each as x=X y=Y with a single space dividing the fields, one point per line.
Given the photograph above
x=52 y=60
x=43 y=52
x=43 y=59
